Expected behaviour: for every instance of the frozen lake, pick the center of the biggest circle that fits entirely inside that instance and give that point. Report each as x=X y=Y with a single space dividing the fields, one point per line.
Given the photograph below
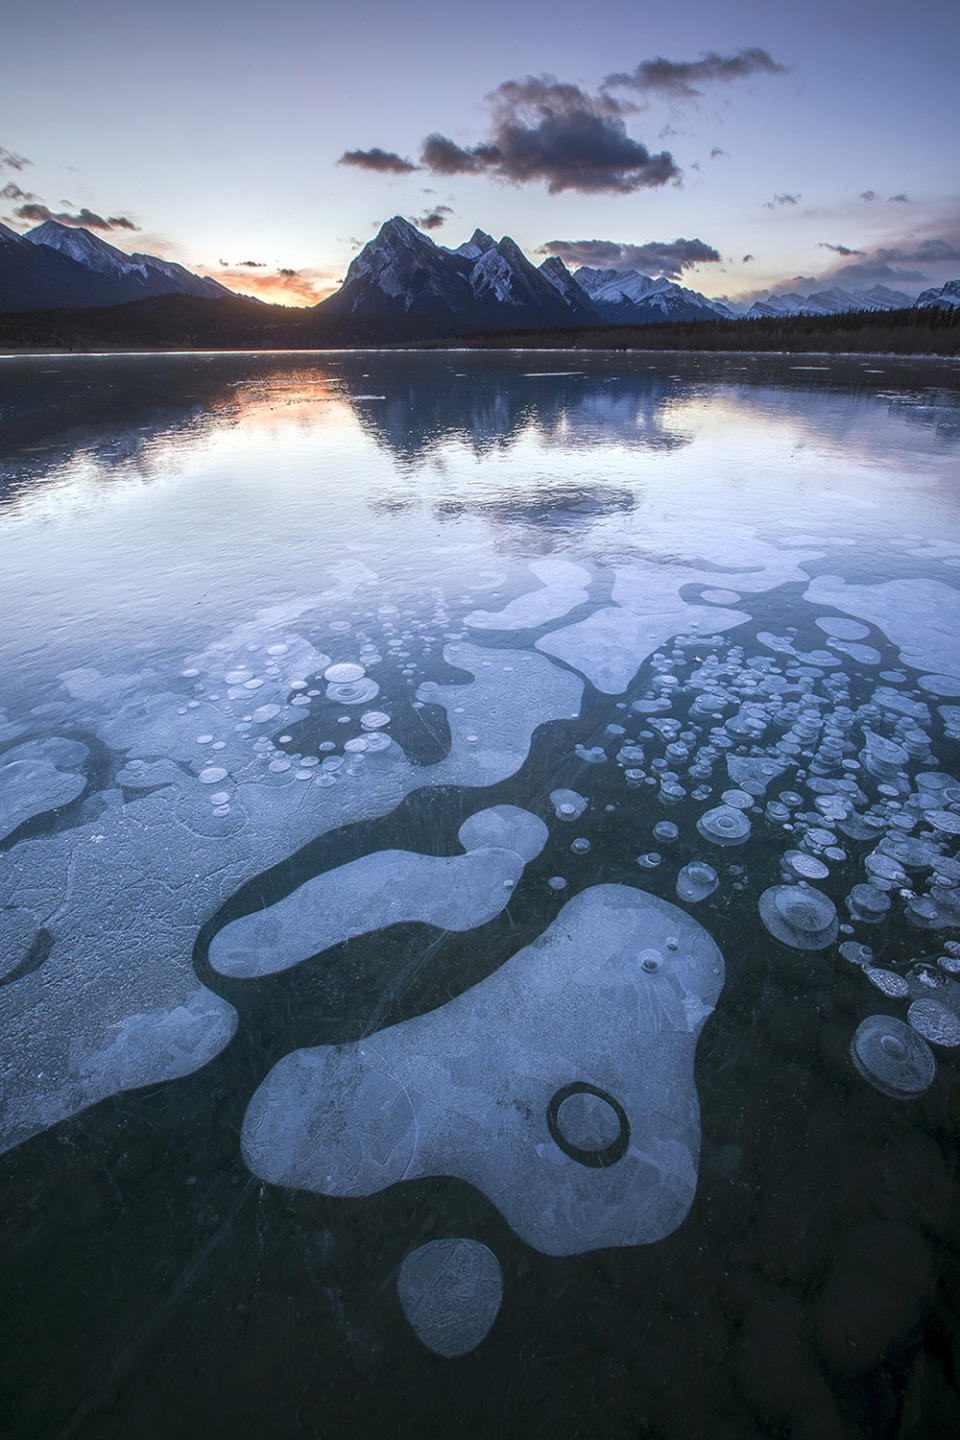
x=479 y=895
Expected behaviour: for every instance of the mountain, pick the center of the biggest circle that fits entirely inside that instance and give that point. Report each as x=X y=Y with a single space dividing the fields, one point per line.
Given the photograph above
x=944 y=297
x=483 y=284
x=34 y=278
x=627 y=297
x=58 y=266
x=139 y=276
x=830 y=302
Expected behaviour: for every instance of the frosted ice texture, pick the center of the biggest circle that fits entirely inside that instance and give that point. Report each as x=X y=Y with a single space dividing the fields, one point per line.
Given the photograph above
x=450 y=1291
x=36 y=777
x=610 y=999
x=117 y=1003
x=921 y=617
x=611 y=644
x=453 y=892
x=563 y=588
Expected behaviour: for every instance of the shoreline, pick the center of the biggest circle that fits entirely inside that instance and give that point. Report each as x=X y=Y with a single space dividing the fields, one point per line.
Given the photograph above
x=16 y=353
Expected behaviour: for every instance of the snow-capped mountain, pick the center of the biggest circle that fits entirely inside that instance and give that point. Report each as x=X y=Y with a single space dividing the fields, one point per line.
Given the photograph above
x=483 y=283
x=140 y=275
x=829 y=302
x=58 y=266
x=945 y=297
x=491 y=283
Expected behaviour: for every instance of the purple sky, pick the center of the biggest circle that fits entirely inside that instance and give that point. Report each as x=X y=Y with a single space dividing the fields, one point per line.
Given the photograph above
x=819 y=141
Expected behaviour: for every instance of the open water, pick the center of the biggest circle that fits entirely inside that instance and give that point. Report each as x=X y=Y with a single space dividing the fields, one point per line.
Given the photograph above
x=479 y=896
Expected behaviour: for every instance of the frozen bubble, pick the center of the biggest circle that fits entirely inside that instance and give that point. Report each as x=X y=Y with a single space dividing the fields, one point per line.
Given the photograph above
x=374 y=720
x=237 y=677
x=867 y=903
x=940 y=684
x=724 y=825
x=220 y=797
x=841 y=627
x=344 y=673
x=804 y=866
x=936 y=1022
x=945 y=821
x=738 y=799
x=450 y=1291
x=893 y=1057
x=800 y=917
x=595 y=755
x=253 y=684
x=888 y=982
x=650 y=861
x=264 y=713
x=357 y=745
x=557 y=882
x=696 y=881
x=720 y=597
x=277 y=649
x=204 y=739
x=586 y=1120
x=856 y=953
x=567 y=804
x=505 y=827
x=474 y=1089
x=212 y=775
x=666 y=832
x=352 y=692
x=581 y=845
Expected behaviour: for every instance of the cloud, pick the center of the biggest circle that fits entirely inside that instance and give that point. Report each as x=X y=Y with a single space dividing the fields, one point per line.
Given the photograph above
x=747 y=258
x=385 y=162
x=657 y=257
x=868 y=195
x=839 y=249
x=679 y=78
x=10 y=161
x=434 y=218
x=546 y=130
x=89 y=219
x=780 y=200
x=543 y=130
x=11 y=191
x=900 y=199
x=716 y=152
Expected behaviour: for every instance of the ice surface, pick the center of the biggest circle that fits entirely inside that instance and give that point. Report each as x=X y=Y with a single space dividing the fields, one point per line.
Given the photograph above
x=609 y=1000
x=450 y=1291
x=116 y=1004
x=563 y=589
x=921 y=617
x=35 y=778
x=386 y=888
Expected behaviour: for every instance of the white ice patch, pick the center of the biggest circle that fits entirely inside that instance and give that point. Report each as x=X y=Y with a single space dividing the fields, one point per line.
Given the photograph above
x=123 y=895
x=611 y=644
x=450 y=1291
x=388 y=887
x=34 y=779
x=608 y=1001
x=563 y=589
x=921 y=617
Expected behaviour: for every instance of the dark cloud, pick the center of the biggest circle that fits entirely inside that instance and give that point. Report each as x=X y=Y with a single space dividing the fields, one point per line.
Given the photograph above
x=874 y=272
x=89 y=219
x=11 y=191
x=780 y=200
x=679 y=78
x=385 y=162
x=657 y=257
x=868 y=195
x=747 y=258
x=716 y=151
x=546 y=130
x=434 y=218
x=838 y=249
x=252 y=264
x=10 y=161
x=926 y=252
x=287 y=274
x=900 y=199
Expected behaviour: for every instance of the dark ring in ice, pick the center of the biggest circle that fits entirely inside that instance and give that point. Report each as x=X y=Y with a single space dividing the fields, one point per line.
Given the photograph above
x=598 y=1159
